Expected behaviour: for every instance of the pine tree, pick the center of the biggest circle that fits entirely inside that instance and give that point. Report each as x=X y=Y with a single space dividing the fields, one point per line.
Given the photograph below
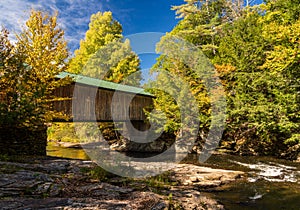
x=281 y=30
x=256 y=54
x=258 y=62
x=203 y=21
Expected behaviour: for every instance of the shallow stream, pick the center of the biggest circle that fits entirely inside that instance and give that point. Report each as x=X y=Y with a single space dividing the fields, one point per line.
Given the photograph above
x=270 y=183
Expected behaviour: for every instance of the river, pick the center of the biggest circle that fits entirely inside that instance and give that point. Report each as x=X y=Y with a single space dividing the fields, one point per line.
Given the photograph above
x=270 y=183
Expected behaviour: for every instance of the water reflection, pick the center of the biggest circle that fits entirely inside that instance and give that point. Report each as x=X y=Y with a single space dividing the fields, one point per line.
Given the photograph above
x=259 y=195
x=73 y=153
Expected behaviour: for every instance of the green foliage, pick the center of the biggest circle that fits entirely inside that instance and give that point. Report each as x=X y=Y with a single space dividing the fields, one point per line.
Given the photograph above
x=255 y=51
x=102 y=30
x=282 y=61
x=177 y=102
x=39 y=54
x=103 y=54
x=160 y=182
x=98 y=173
x=242 y=47
x=241 y=44
x=28 y=70
x=190 y=70
x=282 y=11
x=203 y=21
x=114 y=62
x=262 y=85
x=62 y=132
x=14 y=103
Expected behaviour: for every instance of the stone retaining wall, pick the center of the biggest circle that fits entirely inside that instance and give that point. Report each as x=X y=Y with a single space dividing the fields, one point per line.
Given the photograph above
x=23 y=140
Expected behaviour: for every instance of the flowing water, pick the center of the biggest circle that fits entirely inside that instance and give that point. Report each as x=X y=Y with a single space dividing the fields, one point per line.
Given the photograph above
x=269 y=183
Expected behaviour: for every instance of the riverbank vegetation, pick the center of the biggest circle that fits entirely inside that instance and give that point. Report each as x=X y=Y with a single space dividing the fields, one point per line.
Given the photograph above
x=255 y=51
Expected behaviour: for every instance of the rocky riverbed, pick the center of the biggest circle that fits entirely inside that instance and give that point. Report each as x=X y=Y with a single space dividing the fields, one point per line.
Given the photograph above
x=56 y=183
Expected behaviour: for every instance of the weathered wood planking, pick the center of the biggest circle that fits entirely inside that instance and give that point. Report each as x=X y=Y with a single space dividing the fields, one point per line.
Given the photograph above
x=90 y=103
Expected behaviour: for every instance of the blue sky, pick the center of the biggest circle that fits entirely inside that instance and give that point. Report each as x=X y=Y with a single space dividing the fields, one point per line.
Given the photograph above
x=136 y=16
x=144 y=16
x=139 y=16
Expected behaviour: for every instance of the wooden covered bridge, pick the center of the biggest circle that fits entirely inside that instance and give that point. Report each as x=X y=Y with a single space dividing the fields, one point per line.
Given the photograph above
x=83 y=100
x=87 y=99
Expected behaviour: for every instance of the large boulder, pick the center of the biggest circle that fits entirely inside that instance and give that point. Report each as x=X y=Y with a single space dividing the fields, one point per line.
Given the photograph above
x=157 y=146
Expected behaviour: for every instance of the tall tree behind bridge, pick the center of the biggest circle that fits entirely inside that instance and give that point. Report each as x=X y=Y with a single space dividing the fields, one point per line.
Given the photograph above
x=103 y=54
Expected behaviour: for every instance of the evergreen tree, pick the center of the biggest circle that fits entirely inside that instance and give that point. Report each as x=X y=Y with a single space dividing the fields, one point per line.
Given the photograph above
x=258 y=62
x=255 y=51
x=281 y=30
x=203 y=21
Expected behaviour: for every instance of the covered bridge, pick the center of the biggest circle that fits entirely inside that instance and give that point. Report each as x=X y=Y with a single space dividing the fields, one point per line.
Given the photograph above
x=88 y=99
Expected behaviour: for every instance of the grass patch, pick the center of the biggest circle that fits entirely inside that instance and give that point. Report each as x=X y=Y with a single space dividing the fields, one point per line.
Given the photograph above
x=158 y=184
x=98 y=173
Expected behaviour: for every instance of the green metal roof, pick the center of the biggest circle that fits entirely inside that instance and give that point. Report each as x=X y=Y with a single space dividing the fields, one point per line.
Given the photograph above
x=103 y=84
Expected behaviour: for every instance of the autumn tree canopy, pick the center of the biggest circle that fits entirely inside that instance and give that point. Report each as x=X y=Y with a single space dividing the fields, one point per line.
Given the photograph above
x=104 y=55
x=28 y=70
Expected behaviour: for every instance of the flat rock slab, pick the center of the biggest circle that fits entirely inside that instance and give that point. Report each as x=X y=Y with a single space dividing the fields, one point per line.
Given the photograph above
x=139 y=201
x=63 y=184
x=203 y=177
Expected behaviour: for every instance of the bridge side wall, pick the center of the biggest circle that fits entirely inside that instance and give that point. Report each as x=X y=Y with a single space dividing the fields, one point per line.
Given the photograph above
x=87 y=101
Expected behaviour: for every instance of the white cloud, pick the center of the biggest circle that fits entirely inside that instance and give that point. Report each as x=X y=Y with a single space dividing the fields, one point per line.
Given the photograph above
x=73 y=17
x=14 y=14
